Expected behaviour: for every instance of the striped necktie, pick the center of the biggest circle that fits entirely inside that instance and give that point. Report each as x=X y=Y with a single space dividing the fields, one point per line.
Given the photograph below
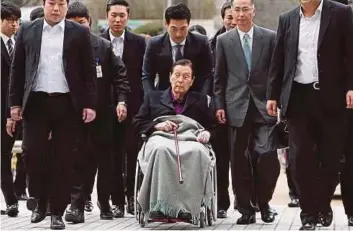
x=247 y=50
x=10 y=47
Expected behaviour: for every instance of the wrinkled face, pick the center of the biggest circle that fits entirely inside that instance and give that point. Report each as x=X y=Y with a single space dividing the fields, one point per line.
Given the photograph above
x=243 y=12
x=228 y=19
x=117 y=18
x=9 y=26
x=177 y=29
x=55 y=10
x=81 y=20
x=181 y=79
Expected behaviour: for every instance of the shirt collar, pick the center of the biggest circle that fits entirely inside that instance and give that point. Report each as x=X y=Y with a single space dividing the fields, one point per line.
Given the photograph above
x=172 y=43
x=318 y=10
x=112 y=37
x=6 y=39
x=174 y=100
x=61 y=25
x=250 y=33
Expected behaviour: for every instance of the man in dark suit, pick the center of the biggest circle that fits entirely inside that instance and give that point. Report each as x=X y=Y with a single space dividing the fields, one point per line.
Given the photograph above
x=51 y=91
x=176 y=100
x=111 y=76
x=311 y=80
x=242 y=62
x=163 y=50
x=10 y=15
x=131 y=48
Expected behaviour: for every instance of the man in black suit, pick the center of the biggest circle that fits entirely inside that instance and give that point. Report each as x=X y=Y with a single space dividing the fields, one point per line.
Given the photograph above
x=131 y=48
x=111 y=76
x=51 y=91
x=163 y=50
x=311 y=81
x=10 y=15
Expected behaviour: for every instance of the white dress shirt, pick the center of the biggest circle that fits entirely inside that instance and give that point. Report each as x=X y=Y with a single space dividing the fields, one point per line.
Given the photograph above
x=118 y=43
x=174 y=48
x=5 y=39
x=307 y=67
x=50 y=74
x=251 y=36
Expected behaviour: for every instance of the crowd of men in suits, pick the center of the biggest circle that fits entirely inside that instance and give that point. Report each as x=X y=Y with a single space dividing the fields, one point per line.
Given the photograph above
x=76 y=94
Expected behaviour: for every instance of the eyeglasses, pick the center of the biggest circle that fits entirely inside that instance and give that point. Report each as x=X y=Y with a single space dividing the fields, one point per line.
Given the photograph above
x=244 y=9
x=13 y=20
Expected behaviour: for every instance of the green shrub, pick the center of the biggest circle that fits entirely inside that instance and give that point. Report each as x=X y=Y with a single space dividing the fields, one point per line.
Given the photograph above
x=152 y=28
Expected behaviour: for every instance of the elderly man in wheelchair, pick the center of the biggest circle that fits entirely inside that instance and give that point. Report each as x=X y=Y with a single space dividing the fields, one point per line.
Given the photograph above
x=176 y=160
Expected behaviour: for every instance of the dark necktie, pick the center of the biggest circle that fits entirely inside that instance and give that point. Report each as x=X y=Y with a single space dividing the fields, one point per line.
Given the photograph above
x=10 y=47
x=178 y=54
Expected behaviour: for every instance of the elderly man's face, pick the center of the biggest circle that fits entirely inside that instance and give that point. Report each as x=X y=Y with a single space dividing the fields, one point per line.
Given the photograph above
x=181 y=79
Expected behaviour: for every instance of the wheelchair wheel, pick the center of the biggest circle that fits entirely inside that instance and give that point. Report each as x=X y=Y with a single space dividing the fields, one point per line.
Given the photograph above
x=142 y=220
x=215 y=195
x=202 y=219
x=136 y=189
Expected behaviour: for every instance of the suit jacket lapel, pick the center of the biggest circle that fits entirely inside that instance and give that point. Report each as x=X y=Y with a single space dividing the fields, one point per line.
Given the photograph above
x=238 y=49
x=127 y=46
x=187 y=48
x=5 y=53
x=166 y=51
x=165 y=99
x=67 y=40
x=256 y=47
x=189 y=101
x=37 y=34
x=295 y=27
x=325 y=20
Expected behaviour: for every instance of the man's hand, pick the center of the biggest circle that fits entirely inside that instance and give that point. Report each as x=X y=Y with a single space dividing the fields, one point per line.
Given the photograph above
x=10 y=127
x=271 y=107
x=221 y=116
x=349 y=99
x=121 y=112
x=16 y=113
x=88 y=115
x=203 y=137
x=166 y=126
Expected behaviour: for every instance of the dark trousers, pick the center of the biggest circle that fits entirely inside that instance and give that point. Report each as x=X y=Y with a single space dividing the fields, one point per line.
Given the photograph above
x=315 y=142
x=127 y=145
x=292 y=186
x=97 y=155
x=347 y=170
x=220 y=144
x=20 y=182
x=255 y=174
x=42 y=115
x=7 y=186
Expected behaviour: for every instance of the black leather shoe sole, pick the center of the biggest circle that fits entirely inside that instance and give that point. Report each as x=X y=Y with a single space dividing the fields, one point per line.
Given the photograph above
x=246 y=220
x=69 y=217
x=12 y=212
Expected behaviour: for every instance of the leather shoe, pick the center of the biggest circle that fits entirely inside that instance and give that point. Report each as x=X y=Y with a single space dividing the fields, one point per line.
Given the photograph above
x=48 y=210
x=308 y=226
x=74 y=215
x=267 y=215
x=350 y=220
x=106 y=215
x=294 y=203
x=185 y=216
x=130 y=208
x=31 y=204
x=88 y=206
x=38 y=215
x=57 y=222
x=222 y=214
x=12 y=210
x=118 y=211
x=246 y=219
x=325 y=219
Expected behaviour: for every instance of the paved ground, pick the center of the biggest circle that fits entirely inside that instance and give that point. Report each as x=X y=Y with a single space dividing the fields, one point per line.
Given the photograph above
x=288 y=219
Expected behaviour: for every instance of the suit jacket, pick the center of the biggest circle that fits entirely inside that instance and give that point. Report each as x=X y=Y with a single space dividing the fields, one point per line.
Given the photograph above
x=5 y=72
x=114 y=82
x=213 y=42
x=78 y=62
x=334 y=51
x=134 y=49
x=234 y=85
x=159 y=60
x=159 y=103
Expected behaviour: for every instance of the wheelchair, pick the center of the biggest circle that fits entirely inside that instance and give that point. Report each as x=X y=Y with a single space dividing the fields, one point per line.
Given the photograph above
x=208 y=214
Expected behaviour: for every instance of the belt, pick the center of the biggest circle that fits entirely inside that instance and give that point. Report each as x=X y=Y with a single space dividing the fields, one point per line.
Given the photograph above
x=314 y=85
x=51 y=94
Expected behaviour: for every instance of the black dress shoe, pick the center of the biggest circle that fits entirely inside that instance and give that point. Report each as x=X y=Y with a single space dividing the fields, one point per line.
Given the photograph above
x=185 y=216
x=48 y=210
x=267 y=215
x=57 y=222
x=38 y=215
x=12 y=210
x=118 y=211
x=325 y=219
x=294 y=203
x=74 y=215
x=106 y=215
x=246 y=219
x=350 y=220
x=88 y=206
x=130 y=208
x=31 y=203
x=222 y=214
x=308 y=226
